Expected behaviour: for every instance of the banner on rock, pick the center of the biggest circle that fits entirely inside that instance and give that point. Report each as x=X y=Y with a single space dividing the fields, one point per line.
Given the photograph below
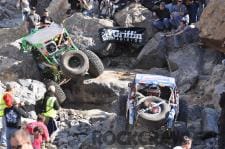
x=128 y=34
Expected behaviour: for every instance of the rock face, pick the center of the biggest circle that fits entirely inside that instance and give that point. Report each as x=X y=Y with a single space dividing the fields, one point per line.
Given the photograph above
x=209 y=122
x=57 y=10
x=138 y=16
x=26 y=90
x=79 y=129
x=8 y=35
x=84 y=32
x=212 y=24
x=104 y=89
x=152 y=55
x=10 y=16
x=15 y=65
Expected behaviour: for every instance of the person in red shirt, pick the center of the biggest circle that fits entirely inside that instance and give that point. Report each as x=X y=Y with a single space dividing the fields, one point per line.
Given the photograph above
x=39 y=131
x=6 y=102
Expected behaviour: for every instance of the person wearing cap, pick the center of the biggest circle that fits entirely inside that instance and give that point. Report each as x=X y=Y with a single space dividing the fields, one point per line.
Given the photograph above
x=25 y=6
x=51 y=106
x=45 y=19
x=5 y=101
x=13 y=119
x=178 y=11
x=163 y=14
x=33 y=20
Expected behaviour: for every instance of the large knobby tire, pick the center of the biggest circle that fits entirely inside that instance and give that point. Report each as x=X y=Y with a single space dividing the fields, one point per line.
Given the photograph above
x=165 y=108
x=59 y=93
x=183 y=111
x=96 y=66
x=74 y=63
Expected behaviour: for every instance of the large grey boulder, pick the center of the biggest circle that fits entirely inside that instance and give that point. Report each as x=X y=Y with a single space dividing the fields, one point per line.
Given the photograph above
x=15 y=64
x=152 y=55
x=104 y=89
x=84 y=31
x=136 y=15
x=185 y=64
x=26 y=90
x=209 y=122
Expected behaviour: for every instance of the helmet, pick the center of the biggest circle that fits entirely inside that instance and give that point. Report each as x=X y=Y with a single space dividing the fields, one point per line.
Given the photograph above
x=51 y=88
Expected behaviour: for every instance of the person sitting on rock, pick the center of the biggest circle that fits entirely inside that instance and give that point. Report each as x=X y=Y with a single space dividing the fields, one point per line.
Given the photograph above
x=25 y=6
x=51 y=106
x=33 y=20
x=89 y=7
x=186 y=143
x=45 y=19
x=163 y=14
x=178 y=11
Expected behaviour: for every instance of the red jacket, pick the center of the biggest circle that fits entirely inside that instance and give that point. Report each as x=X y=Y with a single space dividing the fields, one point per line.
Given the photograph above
x=7 y=97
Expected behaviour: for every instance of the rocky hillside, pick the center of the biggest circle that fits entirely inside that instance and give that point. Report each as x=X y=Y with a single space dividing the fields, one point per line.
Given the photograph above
x=92 y=104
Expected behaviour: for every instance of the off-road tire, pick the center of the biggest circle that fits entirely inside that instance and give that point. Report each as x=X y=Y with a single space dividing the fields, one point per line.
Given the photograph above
x=165 y=108
x=96 y=66
x=73 y=72
x=59 y=93
x=183 y=111
x=122 y=104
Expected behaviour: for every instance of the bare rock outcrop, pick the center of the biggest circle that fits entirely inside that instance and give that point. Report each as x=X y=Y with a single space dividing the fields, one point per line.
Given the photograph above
x=84 y=31
x=138 y=16
x=212 y=25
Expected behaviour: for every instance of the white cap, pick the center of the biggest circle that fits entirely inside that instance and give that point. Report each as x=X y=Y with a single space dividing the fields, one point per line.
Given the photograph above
x=16 y=100
x=51 y=88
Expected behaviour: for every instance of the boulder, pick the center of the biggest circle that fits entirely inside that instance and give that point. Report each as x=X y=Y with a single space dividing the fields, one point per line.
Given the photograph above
x=152 y=55
x=104 y=89
x=212 y=25
x=57 y=10
x=10 y=16
x=8 y=35
x=26 y=90
x=185 y=64
x=136 y=15
x=15 y=64
x=209 y=122
x=84 y=31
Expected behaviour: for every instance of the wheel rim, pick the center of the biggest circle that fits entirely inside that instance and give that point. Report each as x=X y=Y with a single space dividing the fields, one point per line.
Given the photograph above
x=75 y=62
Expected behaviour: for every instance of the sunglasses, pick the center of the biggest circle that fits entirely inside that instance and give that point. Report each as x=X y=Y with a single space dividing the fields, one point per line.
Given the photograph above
x=16 y=147
x=179 y=1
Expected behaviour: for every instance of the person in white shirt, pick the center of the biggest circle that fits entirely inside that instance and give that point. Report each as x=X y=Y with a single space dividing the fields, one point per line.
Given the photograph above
x=186 y=143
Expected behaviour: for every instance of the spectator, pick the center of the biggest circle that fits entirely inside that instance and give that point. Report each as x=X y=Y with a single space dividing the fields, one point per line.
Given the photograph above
x=118 y=5
x=186 y=143
x=170 y=4
x=221 y=122
x=177 y=13
x=41 y=132
x=50 y=112
x=89 y=7
x=13 y=119
x=193 y=10
x=6 y=101
x=106 y=9
x=25 y=6
x=20 y=140
x=45 y=19
x=33 y=20
x=163 y=17
x=74 y=5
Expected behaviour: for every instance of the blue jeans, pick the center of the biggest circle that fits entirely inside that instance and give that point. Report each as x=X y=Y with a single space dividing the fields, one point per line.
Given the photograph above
x=9 y=132
x=170 y=118
x=162 y=24
x=3 y=132
x=175 y=21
